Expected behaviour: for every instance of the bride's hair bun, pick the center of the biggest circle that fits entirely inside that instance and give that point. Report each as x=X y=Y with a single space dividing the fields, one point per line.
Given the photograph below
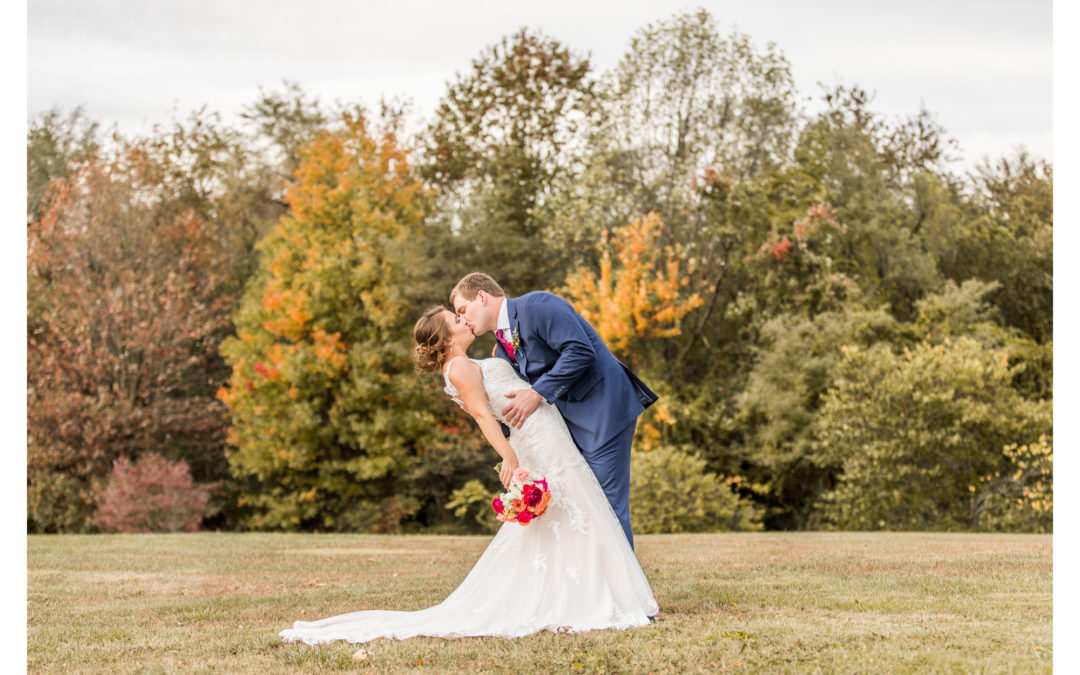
x=431 y=335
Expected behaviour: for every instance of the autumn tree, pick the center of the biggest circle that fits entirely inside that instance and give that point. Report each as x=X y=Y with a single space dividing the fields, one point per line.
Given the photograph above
x=128 y=298
x=326 y=413
x=641 y=291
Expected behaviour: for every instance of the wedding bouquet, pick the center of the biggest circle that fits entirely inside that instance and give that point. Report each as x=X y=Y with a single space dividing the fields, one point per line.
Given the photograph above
x=524 y=500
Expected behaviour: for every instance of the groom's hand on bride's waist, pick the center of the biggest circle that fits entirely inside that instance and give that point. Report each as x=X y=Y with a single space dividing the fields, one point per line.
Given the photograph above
x=524 y=403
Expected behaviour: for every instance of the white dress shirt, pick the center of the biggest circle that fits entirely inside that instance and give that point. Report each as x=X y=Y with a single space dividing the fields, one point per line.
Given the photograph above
x=503 y=322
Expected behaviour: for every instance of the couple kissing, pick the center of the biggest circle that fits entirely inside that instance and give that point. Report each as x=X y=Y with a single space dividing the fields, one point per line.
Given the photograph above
x=555 y=401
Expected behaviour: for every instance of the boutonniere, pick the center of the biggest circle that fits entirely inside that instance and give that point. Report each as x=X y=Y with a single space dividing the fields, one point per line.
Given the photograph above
x=515 y=340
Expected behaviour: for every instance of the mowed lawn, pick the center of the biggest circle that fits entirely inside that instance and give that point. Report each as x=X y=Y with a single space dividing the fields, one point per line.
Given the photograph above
x=769 y=602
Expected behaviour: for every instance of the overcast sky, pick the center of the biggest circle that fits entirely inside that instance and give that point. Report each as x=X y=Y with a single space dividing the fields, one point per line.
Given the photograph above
x=983 y=67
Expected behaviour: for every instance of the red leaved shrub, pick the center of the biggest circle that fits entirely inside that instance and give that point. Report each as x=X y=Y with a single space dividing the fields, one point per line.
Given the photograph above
x=151 y=495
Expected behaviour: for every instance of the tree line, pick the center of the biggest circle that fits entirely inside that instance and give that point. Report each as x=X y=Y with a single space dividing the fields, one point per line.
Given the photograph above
x=844 y=332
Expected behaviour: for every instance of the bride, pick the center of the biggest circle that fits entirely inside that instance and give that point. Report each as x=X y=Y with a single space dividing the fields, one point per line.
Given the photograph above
x=571 y=569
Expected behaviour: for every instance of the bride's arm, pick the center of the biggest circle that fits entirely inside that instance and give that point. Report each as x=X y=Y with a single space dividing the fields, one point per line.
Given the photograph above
x=469 y=382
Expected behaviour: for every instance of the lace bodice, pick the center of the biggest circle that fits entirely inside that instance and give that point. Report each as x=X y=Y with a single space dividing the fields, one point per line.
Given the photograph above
x=543 y=445
x=499 y=379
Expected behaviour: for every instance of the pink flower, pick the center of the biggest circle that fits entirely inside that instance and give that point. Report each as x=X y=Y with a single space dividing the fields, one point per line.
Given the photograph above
x=542 y=483
x=531 y=495
x=524 y=517
x=520 y=474
x=497 y=505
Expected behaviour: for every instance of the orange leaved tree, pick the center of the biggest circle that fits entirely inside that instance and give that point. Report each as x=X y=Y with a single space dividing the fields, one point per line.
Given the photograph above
x=326 y=410
x=641 y=291
x=128 y=299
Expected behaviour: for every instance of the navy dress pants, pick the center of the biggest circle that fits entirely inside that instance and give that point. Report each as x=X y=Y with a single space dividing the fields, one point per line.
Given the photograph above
x=611 y=464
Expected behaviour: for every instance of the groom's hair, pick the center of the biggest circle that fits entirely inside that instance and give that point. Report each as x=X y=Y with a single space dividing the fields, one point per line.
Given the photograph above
x=477 y=281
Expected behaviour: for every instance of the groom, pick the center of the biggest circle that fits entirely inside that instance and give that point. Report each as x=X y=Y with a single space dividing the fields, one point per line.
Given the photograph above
x=553 y=347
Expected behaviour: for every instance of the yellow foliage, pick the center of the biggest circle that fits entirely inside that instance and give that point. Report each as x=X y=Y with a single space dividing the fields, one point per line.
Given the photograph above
x=640 y=291
x=329 y=349
x=290 y=309
x=649 y=435
x=657 y=413
x=663 y=413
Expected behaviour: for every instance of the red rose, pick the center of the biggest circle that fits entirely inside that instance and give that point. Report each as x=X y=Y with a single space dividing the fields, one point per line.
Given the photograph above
x=531 y=495
x=524 y=517
x=497 y=505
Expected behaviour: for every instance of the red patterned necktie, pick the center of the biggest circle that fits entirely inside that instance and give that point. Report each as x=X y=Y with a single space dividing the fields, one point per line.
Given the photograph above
x=506 y=345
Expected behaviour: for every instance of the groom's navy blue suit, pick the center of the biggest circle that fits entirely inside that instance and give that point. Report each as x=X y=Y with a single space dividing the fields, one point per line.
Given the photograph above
x=567 y=363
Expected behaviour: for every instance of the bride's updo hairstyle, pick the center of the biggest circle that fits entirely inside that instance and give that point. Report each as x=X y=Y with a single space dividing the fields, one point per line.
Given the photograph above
x=431 y=335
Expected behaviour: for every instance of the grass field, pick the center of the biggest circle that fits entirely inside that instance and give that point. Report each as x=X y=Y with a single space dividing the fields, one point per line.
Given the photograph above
x=772 y=602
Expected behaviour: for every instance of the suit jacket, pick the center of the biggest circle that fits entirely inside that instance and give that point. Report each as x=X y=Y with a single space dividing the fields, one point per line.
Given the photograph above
x=567 y=363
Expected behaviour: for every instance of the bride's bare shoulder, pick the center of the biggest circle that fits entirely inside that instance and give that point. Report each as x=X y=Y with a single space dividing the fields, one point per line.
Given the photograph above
x=463 y=371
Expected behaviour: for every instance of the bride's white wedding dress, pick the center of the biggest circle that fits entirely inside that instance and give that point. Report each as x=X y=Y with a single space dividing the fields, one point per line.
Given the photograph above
x=572 y=569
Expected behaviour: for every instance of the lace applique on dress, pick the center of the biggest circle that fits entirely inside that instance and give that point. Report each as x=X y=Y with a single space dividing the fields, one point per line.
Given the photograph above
x=554 y=525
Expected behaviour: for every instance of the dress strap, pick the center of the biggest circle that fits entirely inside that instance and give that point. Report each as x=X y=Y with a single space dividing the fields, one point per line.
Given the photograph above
x=446 y=368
